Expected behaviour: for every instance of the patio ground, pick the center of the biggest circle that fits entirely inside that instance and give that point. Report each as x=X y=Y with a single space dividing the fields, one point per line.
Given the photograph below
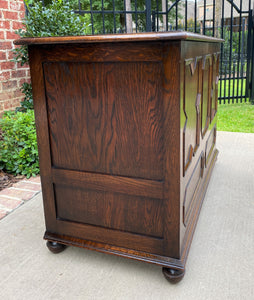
x=220 y=263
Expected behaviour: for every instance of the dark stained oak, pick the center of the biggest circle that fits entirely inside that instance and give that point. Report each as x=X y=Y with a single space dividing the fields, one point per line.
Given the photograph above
x=112 y=117
x=115 y=38
x=126 y=128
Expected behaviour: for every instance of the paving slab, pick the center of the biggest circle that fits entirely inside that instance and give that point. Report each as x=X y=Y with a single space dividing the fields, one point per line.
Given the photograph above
x=219 y=266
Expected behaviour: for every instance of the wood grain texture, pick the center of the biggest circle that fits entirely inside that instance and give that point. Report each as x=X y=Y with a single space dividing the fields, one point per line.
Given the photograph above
x=171 y=109
x=117 y=211
x=206 y=94
x=192 y=188
x=214 y=89
x=115 y=38
x=114 y=109
x=191 y=108
x=119 y=251
x=109 y=236
x=102 y=182
x=102 y=52
x=40 y=111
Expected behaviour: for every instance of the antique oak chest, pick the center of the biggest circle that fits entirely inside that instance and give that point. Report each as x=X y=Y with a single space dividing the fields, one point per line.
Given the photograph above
x=126 y=128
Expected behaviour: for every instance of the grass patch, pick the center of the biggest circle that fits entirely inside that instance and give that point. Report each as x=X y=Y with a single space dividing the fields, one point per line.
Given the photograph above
x=236 y=117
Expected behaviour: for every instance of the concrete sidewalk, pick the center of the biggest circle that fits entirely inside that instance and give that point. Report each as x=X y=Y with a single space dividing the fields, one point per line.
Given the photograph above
x=220 y=263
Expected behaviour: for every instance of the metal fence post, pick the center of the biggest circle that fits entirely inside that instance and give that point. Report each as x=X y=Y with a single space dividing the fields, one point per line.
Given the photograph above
x=250 y=58
x=148 y=16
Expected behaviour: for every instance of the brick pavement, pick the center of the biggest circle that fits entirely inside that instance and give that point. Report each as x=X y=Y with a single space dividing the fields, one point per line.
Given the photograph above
x=22 y=191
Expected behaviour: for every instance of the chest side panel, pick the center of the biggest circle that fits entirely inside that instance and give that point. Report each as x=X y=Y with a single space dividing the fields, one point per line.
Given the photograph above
x=105 y=166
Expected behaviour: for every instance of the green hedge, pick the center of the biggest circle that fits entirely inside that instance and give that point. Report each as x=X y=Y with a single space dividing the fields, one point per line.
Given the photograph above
x=18 y=147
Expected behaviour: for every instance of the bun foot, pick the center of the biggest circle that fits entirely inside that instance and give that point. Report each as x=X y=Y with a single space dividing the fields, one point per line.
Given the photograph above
x=173 y=275
x=55 y=247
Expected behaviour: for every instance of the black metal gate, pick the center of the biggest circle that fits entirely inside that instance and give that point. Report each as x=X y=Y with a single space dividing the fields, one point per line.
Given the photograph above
x=231 y=20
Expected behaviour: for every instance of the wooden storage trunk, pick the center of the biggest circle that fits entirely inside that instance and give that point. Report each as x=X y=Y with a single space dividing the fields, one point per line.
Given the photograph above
x=126 y=129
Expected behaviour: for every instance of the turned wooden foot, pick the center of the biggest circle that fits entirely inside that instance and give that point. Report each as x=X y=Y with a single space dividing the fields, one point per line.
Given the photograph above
x=55 y=247
x=173 y=275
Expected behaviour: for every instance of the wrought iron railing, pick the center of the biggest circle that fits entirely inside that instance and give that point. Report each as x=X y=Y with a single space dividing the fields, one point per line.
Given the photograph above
x=228 y=19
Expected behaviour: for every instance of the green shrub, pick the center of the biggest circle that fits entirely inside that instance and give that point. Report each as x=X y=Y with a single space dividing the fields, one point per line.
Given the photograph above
x=18 y=147
x=55 y=19
x=27 y=103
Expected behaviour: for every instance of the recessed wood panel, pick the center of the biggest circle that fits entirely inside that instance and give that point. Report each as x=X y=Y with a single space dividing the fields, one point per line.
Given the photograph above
x=206 y=94
x=214 y=84
x=117 y=211
x=191 y=108
x=192 y=188
x=106 y=117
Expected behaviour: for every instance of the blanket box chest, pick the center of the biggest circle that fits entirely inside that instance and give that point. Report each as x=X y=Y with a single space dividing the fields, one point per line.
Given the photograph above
x=126 y=128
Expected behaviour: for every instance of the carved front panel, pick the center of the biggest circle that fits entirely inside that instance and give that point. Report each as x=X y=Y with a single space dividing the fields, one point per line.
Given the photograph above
x=200 y=89
x=191 y=108
x=214 y=84
x=192 y=188
x=199 y=107
x=206 y=93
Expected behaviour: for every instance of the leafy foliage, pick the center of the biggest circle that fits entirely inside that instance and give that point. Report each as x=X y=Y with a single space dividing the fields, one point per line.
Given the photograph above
x=55 y=19
x=18 y=147
x=27 y=103
x=20 y=53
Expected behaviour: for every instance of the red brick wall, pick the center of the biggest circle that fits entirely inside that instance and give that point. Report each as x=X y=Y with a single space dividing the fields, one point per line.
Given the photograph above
x=12 y=75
